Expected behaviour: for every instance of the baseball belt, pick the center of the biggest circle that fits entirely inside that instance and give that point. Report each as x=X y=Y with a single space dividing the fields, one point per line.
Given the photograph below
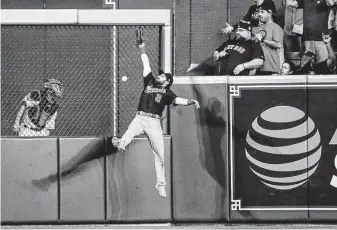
x=141 y=113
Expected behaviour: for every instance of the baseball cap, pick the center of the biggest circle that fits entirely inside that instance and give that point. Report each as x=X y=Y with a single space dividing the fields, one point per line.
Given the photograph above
x=244 y=25
x=268 y=6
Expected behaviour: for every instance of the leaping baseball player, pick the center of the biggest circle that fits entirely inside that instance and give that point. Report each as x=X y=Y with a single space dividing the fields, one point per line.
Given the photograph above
x=38 y=111
x=155 y=96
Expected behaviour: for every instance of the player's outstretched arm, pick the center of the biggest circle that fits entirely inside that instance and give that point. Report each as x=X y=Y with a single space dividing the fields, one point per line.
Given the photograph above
x=145 y=60
x=185 y=102
x=16 y=125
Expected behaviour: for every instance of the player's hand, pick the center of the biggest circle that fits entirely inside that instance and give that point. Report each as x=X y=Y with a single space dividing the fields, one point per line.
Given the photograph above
x=238 y=69
x=228 y=29
x=326 y=38
x=223 y=53
x=196 y=103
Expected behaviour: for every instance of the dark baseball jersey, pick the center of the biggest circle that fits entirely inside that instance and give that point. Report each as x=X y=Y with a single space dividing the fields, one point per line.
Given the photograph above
x=154 y=99
x=39 y=109
x=238 y=52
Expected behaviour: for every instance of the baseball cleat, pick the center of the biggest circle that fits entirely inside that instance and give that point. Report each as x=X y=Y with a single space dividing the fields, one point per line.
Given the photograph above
x=116 y=142
x=161 y=190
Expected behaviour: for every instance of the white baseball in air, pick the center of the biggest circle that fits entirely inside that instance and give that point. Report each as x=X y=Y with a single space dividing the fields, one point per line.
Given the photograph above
x=124 y=78
x=283 y=147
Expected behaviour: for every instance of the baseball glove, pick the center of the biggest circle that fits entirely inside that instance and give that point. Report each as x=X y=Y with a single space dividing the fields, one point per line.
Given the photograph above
x=261 y=35
x=139 y=36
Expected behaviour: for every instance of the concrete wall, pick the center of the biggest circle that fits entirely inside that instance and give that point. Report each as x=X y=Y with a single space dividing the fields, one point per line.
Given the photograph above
x=199 y=159
x=82 y=195
x=21 y=161
x=116 y=188
x=131 y=181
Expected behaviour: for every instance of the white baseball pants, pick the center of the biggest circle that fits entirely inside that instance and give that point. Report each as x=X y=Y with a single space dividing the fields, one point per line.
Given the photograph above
x=151 y=127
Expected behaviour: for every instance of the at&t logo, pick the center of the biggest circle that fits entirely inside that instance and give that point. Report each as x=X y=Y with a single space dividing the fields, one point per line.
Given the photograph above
x=284 y=148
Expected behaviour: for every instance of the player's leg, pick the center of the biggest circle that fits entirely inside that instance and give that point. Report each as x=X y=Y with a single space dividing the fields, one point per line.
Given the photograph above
x=155 y=135
x=135 y=128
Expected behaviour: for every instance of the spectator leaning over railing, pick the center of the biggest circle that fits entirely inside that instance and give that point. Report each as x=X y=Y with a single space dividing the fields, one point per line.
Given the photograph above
x=240 y=55
x=310 y=64
x=270 y=36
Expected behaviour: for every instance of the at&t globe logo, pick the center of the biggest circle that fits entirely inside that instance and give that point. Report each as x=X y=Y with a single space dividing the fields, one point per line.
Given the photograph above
x=283 y=147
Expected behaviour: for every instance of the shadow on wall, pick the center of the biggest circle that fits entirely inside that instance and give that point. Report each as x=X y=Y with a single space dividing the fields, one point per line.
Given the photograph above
x=211 y=131
x=116 y=184
x=78 y=164
x=212 y=128
x=116 y=181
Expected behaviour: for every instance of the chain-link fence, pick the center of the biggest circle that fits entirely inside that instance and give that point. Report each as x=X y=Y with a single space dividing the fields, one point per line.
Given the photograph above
x=197 y=31
x=89 y=61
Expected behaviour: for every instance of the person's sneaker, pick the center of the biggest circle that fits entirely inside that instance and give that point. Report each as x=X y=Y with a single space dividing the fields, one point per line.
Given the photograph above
x=161 y=190
x=41 y=185
x=116 y=142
